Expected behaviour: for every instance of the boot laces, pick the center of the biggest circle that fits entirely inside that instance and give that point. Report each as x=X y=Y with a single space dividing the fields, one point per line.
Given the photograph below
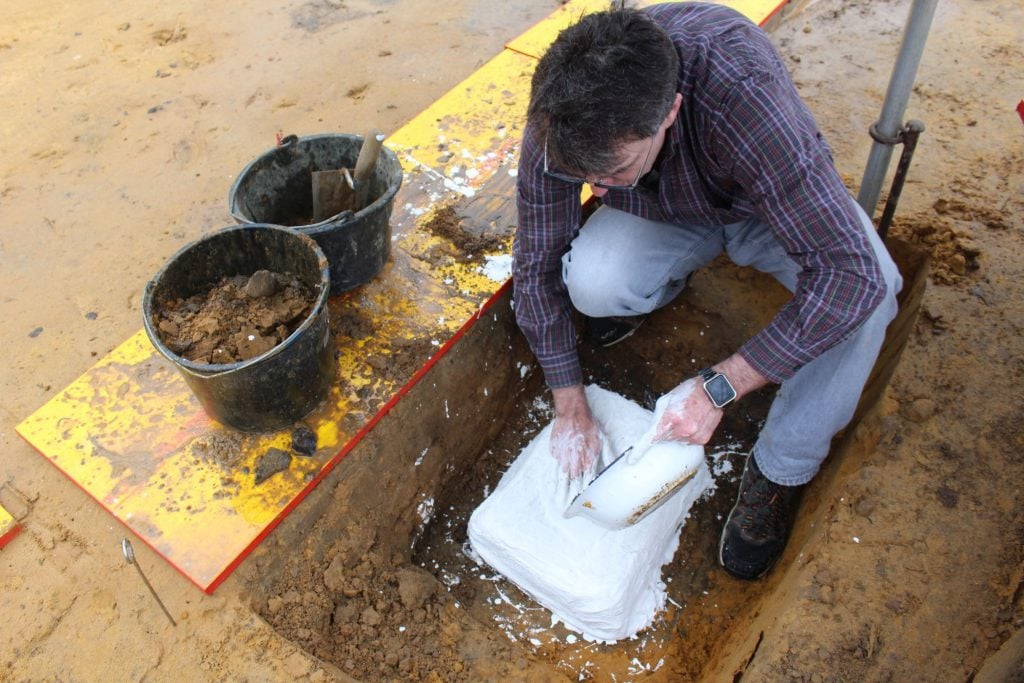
x=765 y=507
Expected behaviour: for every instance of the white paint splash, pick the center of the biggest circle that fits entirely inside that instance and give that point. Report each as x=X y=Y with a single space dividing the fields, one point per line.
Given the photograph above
x=414 y=210
x=497 y=268
x=425 y=509
x=454 y=184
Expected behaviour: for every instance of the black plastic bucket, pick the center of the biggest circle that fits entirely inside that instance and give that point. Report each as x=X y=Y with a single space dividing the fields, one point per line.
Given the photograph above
x=279 y=387
x=276 y=188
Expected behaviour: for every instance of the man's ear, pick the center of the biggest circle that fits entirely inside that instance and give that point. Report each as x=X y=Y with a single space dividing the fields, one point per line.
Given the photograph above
x=674 y=111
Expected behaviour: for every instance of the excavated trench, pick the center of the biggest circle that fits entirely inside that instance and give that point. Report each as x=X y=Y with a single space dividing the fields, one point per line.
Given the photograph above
x=371 y=573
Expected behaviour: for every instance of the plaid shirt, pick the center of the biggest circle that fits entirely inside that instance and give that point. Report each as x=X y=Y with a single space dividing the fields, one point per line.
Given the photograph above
x=744 y=144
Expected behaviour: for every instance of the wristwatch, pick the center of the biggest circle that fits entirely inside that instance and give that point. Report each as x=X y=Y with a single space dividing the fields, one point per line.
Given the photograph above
x=718 y=388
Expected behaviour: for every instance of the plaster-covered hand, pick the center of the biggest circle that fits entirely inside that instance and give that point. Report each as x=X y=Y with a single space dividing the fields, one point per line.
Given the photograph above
x=576 y=438
x=680 y=415
x=687 y=414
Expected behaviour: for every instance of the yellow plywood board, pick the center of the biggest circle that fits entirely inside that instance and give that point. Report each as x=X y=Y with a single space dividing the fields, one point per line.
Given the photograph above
x=131 y=434
x=9 y=527
x=535 y=41
x=758 y=11
x=472 y=131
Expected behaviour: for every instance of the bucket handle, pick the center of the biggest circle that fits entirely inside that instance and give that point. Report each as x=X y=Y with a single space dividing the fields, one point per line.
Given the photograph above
x=341 y=217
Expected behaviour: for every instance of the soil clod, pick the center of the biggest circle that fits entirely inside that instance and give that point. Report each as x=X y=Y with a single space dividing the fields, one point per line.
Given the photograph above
x=304 y=440
x=261 y=284
x=273 y=461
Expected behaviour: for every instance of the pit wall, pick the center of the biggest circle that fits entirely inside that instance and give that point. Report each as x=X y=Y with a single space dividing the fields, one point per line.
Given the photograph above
x=378 y=503
x=763 y=624
x=446 y=418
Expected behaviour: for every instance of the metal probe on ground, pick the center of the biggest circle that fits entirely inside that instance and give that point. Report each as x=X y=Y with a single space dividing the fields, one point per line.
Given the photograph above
x=129 y=554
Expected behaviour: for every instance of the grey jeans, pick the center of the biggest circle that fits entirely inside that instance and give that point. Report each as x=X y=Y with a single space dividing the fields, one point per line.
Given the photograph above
x=602 y=274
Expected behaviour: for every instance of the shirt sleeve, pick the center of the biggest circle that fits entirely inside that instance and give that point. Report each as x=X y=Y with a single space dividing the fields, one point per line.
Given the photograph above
x=549 y=216
x=776 y=153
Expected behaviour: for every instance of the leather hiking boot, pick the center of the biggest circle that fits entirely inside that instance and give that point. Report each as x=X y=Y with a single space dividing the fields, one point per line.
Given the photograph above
x=758 y=527
x=605 y=332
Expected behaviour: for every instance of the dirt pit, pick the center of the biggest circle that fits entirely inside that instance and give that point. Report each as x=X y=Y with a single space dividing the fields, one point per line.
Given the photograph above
x=384 y=586
x=692 y=621
x=237 y=319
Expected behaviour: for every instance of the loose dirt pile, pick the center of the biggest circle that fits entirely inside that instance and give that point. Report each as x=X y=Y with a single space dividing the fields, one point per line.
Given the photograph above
x=404 y=356
x=237 y=319
x=373 y=616
x=467 y=245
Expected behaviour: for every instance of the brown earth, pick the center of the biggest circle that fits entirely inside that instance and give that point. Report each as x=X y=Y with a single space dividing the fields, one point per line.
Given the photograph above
x=236 y=319
x=908 y=559
x=468 y=246
x=461 y=240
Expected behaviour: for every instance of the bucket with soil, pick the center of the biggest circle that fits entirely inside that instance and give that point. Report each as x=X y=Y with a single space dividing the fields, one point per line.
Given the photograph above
x=242 y=314
x=276 y=188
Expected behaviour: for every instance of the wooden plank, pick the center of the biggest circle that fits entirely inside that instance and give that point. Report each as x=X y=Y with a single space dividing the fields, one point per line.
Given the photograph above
x=536 y=40
x=9 y=527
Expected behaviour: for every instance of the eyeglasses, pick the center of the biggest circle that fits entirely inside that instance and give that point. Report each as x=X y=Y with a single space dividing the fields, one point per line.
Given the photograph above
x=576 y=180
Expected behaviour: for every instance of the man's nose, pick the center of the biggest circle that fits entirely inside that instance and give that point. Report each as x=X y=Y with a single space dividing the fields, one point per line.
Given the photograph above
x=597 y=191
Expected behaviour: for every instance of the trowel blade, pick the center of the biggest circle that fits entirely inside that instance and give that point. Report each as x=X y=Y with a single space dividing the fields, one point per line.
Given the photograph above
x=333 y=192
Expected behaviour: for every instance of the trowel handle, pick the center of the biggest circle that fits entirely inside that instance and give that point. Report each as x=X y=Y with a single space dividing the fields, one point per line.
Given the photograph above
x=368 y=155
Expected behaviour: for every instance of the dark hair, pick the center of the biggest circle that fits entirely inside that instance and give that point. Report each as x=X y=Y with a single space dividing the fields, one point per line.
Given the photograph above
x=608 y=79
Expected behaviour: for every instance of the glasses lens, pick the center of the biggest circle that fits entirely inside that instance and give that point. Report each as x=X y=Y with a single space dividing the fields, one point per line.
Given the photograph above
x=576 y=180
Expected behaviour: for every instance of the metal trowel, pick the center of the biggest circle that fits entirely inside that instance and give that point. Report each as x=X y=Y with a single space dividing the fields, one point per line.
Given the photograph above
x=339 y=190
x=629 y=489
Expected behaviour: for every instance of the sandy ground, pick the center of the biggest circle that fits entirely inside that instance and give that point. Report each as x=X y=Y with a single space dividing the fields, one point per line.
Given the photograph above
x=915 y=567
x=124 y=128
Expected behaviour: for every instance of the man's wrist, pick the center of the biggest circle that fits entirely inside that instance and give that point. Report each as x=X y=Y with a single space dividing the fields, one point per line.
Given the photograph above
x=569 y=400
x=717 y=388
x=742 y=376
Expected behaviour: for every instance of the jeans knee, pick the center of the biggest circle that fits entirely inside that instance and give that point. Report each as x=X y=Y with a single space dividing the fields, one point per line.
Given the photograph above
x=893 y=281
x=590 y=293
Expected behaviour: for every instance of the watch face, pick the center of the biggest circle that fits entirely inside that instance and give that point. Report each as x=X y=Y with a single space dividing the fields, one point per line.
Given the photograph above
x=719 y=390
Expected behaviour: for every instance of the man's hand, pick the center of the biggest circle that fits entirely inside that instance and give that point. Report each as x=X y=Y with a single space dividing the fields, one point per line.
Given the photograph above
x=686 y=413
x=576 y=439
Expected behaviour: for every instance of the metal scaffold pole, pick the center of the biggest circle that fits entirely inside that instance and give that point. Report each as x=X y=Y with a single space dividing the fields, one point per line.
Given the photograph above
x=888 y=130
